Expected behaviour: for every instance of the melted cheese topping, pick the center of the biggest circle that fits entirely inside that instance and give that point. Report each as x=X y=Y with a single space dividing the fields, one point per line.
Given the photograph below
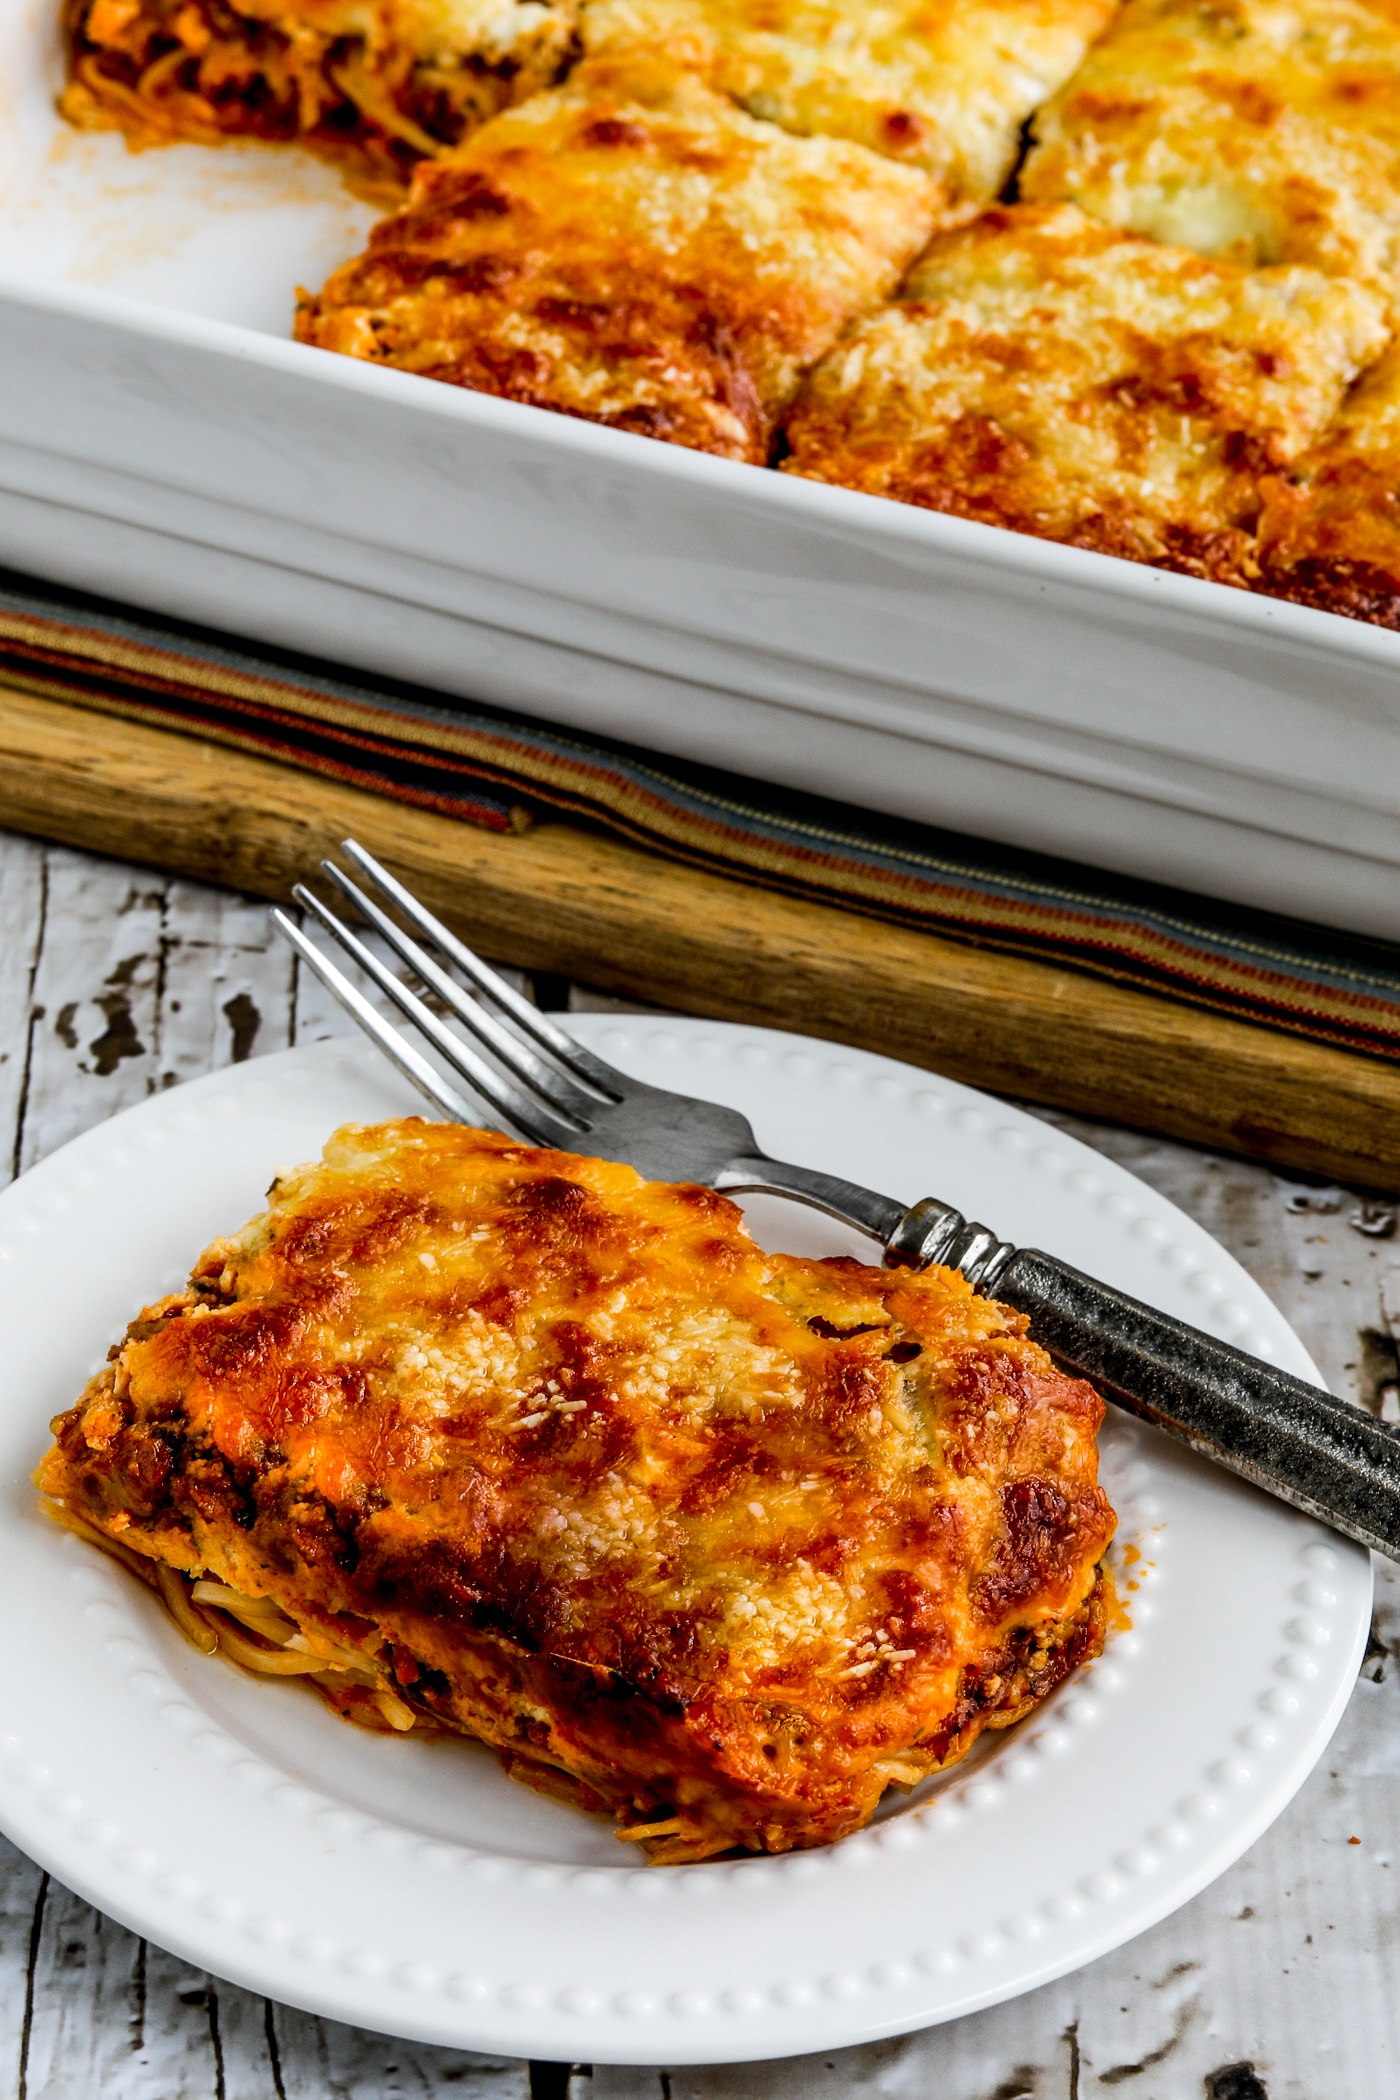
x=944 y=83
x=440 y=31
x=1045 y=372
x=718 y=1533
x=1257 y=130
x=634 y=249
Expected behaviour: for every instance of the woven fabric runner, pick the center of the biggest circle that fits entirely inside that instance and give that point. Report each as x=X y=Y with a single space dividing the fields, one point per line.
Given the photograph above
x=488 y=767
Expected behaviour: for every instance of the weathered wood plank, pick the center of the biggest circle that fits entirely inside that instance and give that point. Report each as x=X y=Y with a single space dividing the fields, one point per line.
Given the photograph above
x=227 y=987
x=148 y=981
x=23 y=1894
x=111 y=2014
x=92 y=1044
x=22 y=902
x=321 y=2060
x=562 y=899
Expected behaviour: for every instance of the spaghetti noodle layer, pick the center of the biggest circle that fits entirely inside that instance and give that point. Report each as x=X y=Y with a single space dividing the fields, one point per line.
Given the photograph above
x=375 y=85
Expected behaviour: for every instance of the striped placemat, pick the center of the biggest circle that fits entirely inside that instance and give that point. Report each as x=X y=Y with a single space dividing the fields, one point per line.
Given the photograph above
x=488 y=767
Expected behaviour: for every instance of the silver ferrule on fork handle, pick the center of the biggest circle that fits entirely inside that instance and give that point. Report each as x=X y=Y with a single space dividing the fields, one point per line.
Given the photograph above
x=932 y=1231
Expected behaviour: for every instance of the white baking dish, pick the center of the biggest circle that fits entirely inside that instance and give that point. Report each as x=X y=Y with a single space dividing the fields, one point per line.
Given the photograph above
x=161 y=441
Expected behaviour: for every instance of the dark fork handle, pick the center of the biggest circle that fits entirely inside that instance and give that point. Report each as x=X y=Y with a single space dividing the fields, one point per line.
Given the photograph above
x=1324 y=1456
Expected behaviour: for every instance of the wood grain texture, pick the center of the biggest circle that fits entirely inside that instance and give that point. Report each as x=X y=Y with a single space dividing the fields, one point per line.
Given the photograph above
x=561 y=898
x=1285 y=1963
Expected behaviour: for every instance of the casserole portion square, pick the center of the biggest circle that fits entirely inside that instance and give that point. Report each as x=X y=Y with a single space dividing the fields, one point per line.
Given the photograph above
x=1329 y=535
x=1045 y=372
x=1256 y=132
x=513 y=1444
x=371 y=84
x=634 y=249
x=946 y=84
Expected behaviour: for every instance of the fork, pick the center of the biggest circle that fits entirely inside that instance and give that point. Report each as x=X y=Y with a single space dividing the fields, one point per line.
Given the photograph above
x=1294 y=1440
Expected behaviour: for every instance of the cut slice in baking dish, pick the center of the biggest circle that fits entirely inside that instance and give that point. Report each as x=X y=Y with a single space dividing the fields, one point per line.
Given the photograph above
x=375 y=85
x=634 y=249
x=1043 y=372
x=1260 y=133
x=945 y=84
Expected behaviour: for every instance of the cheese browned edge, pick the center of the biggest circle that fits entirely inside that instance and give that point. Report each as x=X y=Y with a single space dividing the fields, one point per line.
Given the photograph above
x=1329 y=535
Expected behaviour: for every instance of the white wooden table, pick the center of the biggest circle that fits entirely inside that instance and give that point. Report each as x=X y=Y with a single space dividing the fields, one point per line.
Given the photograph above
x=1279 y=1983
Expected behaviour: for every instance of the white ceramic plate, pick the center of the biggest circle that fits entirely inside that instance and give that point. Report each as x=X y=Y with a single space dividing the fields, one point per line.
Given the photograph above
x=410 y=1886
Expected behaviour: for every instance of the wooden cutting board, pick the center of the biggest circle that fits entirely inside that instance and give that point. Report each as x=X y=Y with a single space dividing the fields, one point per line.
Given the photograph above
x=561 y=897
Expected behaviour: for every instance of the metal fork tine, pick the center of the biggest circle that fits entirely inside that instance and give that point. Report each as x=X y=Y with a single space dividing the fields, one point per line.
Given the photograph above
x=556 y=1088
x=415 y=1069
x=595 y=1071
x=540 y=1124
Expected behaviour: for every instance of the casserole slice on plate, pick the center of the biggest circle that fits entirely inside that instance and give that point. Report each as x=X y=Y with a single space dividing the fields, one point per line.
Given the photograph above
x=509 y=1443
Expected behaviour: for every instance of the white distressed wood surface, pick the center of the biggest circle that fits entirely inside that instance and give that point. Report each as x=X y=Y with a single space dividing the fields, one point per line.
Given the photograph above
x=1278 y=1983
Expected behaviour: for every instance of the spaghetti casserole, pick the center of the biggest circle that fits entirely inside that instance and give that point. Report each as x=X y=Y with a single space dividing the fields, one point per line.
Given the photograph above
x=512 y=1444
x=1258 y=133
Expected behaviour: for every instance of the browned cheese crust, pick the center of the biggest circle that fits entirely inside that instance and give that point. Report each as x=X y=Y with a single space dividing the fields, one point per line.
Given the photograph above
x=1258 y=132
x=632 y=249
x=724 y=1542
x=1329 y=535
x=946 y=84
x=1044 y=372
x=374 y=85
